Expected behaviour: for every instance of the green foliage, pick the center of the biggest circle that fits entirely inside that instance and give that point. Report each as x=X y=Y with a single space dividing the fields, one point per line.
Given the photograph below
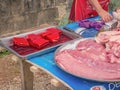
x=114 y=4
x=64 y=20
x=4 y=52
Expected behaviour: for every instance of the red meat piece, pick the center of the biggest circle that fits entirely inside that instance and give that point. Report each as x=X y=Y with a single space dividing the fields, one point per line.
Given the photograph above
x=33 y=36
x=50 y=31
x=19 y=41
x=44 y=34
x=53 y=37
x=54 y=30
x=37 y=41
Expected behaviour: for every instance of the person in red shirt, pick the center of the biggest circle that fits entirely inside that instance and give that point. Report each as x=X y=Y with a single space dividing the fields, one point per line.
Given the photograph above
x=82 y=9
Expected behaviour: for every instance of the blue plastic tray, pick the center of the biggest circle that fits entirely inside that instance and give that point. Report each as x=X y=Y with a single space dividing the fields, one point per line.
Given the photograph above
x=91 y=32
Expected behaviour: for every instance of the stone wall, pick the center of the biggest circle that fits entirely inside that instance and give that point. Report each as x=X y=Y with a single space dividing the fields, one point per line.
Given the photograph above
x=17 y=15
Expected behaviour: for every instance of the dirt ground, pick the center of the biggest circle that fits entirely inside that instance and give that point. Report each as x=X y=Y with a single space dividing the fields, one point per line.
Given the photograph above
x=10 y=76
x=9 y=73
x=8 y=68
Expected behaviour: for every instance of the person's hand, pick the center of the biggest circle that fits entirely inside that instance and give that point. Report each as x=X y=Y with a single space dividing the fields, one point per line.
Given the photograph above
x=105 y=16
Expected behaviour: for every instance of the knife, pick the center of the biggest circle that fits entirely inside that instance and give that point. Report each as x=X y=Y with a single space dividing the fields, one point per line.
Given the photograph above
x=109 y=25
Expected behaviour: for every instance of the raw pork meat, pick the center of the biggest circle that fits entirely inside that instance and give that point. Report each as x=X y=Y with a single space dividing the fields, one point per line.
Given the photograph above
x=92 y=60
x=104 y=37
x=80 y=64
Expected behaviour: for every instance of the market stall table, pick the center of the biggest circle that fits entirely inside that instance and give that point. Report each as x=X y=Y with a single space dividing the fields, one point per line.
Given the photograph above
x=46 y=62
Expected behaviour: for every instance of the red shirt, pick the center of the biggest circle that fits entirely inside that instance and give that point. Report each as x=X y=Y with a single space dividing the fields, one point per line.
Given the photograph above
x=82 y=9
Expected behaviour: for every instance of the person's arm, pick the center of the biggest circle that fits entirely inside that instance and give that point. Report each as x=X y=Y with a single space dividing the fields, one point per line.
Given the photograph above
x=101 y=12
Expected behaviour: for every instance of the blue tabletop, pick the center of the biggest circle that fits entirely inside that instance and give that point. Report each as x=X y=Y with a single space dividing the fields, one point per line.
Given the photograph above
x=46 y=61
x=85 y=33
